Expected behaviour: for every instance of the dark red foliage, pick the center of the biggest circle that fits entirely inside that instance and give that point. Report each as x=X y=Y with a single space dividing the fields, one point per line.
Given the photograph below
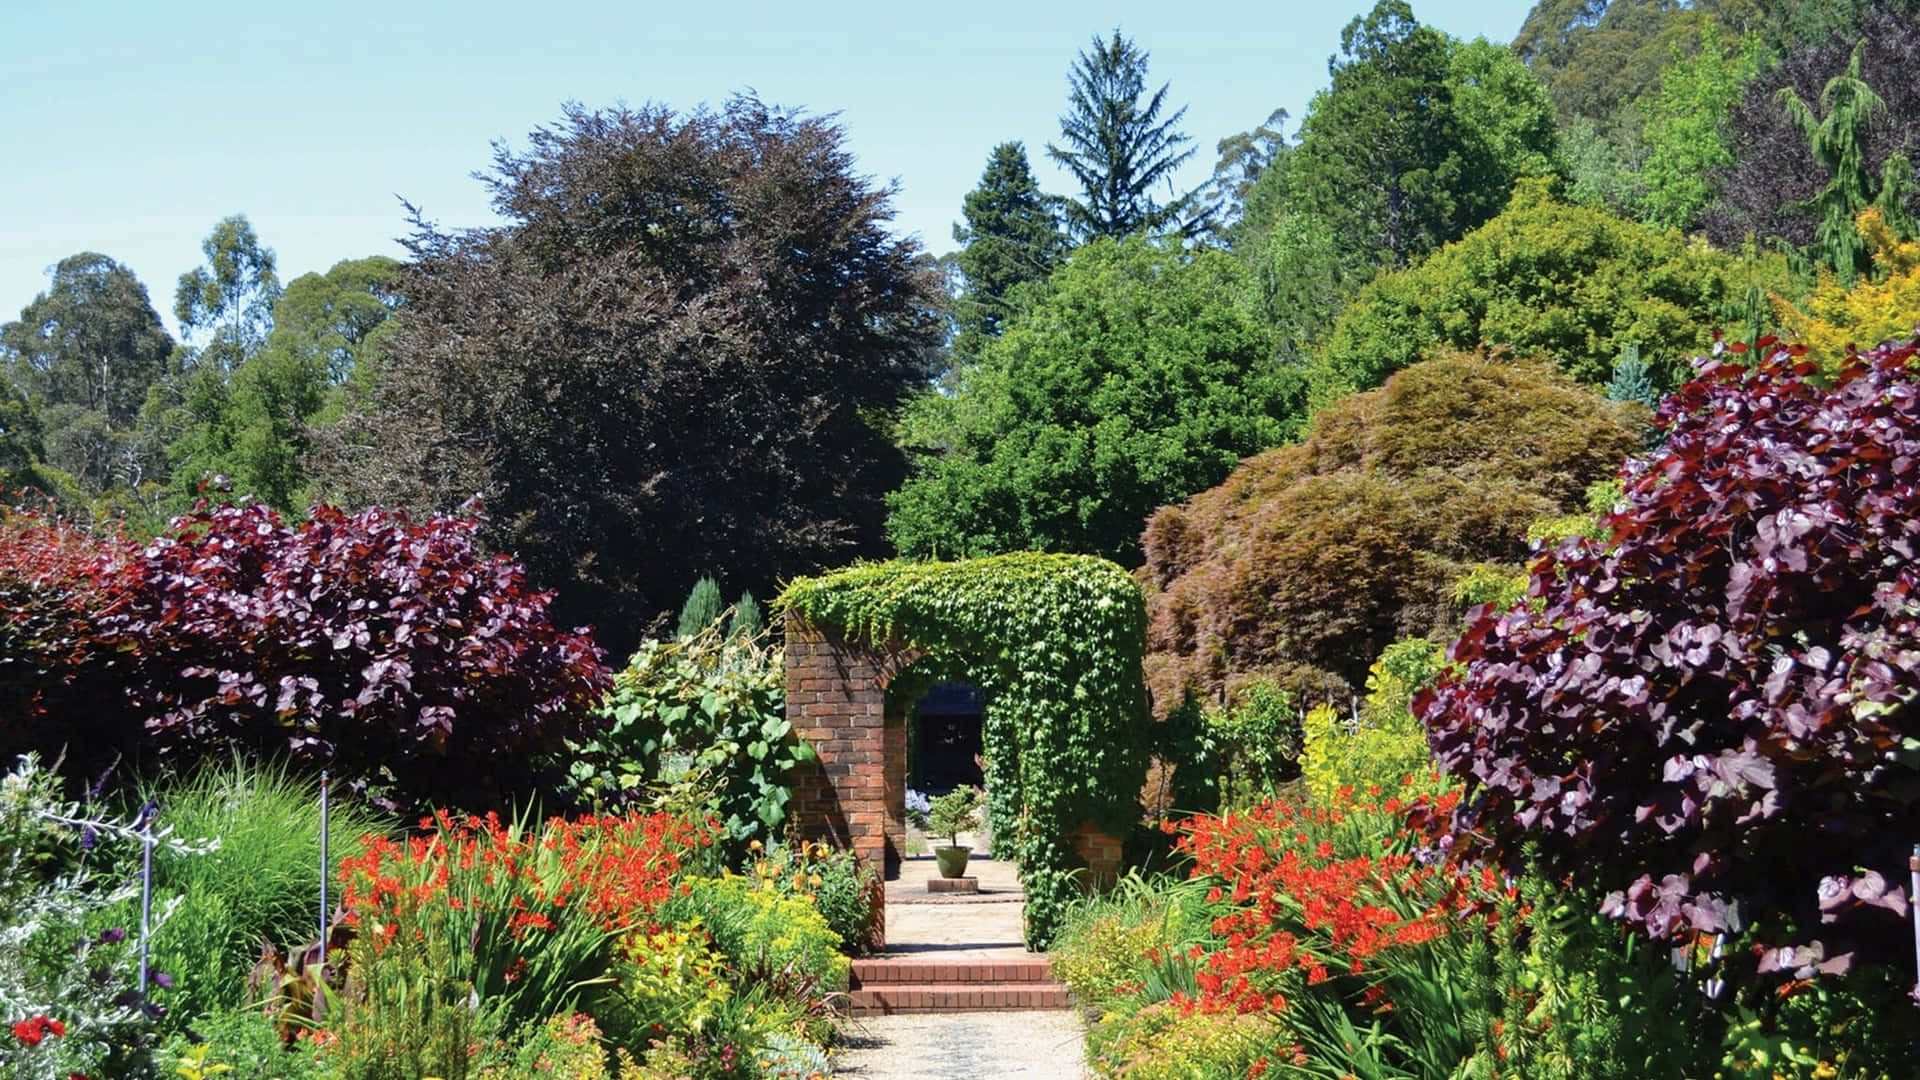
x=1713 y=714
x=51 y=576
x=393 y=652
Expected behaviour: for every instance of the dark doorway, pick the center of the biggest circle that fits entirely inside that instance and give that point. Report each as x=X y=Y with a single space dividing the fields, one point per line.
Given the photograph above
x=946 y=743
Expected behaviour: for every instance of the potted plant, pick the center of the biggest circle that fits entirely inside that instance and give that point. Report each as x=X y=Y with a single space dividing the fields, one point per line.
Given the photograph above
x=950 y=815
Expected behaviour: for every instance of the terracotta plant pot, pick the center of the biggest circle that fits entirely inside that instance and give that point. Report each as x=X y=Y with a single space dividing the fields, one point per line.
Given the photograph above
x=952 y=860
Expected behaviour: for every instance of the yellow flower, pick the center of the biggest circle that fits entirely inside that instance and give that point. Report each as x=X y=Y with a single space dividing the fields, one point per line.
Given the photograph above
x=756 y=846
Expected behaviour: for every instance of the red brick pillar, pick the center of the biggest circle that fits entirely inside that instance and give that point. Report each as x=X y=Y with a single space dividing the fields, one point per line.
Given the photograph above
x=837 y=702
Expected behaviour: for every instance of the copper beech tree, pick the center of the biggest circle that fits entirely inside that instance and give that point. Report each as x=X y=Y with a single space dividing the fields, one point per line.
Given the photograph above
x=679 y=354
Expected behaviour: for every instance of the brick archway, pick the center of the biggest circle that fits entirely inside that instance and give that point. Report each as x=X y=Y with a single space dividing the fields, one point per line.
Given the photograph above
x=853 y=795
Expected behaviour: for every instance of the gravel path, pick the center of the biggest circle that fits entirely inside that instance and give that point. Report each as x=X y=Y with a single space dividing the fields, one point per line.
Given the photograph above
x=964 y=1046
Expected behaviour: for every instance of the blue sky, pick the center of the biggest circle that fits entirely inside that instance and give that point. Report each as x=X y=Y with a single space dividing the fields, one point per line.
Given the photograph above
x=131 y=127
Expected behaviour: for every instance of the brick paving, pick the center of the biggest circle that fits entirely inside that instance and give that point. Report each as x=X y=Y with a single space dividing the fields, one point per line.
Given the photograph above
x=956 y=995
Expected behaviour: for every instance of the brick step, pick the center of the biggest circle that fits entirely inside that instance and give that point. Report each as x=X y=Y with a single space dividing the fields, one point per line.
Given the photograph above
x=886 y=999
x=893 y=970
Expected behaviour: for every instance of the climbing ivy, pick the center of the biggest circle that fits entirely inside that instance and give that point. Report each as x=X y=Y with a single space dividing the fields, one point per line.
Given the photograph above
x=1054 y=645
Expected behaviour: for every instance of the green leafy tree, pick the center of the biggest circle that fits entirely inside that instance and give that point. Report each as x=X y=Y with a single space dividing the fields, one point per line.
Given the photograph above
x=326 y=330
x=1420 y=137
x=92 y=340
x=1505 y=123
x=1242 y=160
x=225 y=308
x=1011 y=237
x=1417 y=138
x=1570 y=284
x=1602 y=171
x=1687 y=137
x=1597 y=56
x=1299 y=277
x=1134 y=380
x=680 y=351
x=86 y=352
x=233 y=294
x=1373 y=157
x=1118 y=147
x=21 y=450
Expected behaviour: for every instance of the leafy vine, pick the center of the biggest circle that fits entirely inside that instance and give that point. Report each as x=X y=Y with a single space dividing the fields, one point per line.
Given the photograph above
x=1054 y=645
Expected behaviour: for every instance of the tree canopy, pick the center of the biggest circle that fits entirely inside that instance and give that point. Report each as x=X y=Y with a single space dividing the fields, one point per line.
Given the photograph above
x=1417 y=138
x=678 y=355
x=85 y=353
x=326 y=329
x=1572 y=284
x=1132 y=380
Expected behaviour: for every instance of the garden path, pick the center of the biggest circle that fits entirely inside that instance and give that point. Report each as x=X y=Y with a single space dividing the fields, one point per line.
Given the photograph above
x=1027 y=1044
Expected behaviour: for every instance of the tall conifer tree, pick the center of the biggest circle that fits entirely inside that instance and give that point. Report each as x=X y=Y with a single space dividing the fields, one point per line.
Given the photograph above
x=1012 y=236
x=1119 y=148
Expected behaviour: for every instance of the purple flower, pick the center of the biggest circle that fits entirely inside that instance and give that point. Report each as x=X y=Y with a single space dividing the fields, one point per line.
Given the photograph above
x=163 y=980
x=112 y=935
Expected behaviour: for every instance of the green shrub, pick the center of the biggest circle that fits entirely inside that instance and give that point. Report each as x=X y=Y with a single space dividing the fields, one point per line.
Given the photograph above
x=417 y=1008
x=1131 y=943
x=1160 y=1042
x=746 y=622
x=845 y=890
x=561 y=1048
x=1571 y=285
x=1257 y=740
x=849 y=896
x=698 y=724
x=260 y=887
x=1383 y=744
x=767 y=935
x=242 y=1044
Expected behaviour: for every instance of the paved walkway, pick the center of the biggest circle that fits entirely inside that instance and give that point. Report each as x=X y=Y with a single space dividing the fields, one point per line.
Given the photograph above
x=1039 y=1045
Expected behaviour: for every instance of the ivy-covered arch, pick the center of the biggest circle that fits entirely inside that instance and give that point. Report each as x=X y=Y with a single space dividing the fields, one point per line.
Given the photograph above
x=1054 y=645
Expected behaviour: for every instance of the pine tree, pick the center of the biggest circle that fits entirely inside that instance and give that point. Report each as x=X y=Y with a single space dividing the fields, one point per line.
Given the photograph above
x=1012 y=236
x=1631 y=381
x=702 y=608
x=746 y=623
x=1119 y=148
